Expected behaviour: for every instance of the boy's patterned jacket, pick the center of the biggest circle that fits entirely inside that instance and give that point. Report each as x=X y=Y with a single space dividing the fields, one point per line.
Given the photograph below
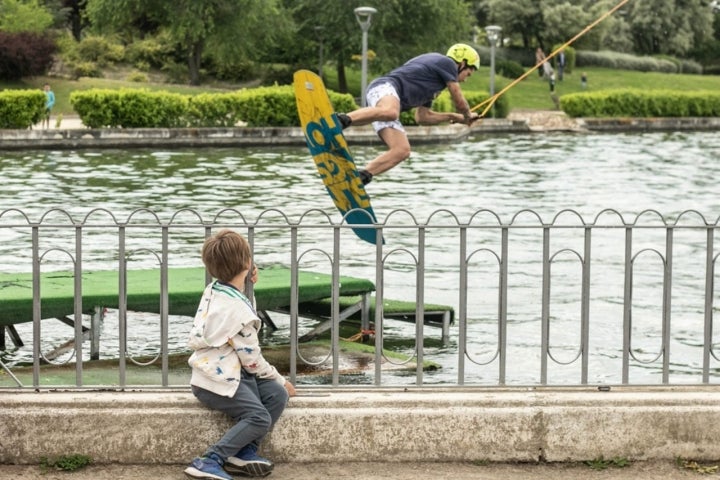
x=224 y=337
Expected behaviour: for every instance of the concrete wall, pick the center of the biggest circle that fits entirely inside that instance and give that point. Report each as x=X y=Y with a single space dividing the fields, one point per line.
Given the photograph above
x=74 y=135
x=73 y=138
x=374 y=425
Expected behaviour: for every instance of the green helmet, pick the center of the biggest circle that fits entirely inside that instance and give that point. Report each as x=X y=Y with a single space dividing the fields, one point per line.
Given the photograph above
x=461 y=51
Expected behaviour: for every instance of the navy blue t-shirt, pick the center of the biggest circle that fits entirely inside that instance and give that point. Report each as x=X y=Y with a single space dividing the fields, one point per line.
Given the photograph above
x=421 y=79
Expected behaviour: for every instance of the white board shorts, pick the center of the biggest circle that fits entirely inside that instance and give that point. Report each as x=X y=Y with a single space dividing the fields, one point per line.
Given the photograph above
x=373 y=97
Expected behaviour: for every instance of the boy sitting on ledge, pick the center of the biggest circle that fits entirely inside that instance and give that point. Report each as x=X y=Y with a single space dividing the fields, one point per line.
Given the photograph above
x=229 y=373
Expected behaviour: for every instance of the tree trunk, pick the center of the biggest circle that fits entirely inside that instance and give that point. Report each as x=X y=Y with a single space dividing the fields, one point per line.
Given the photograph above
x=342 y=80
x=76 y=20
x=194 y=60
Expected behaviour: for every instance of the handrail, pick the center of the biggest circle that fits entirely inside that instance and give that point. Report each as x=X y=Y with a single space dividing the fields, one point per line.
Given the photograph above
x=566 y=300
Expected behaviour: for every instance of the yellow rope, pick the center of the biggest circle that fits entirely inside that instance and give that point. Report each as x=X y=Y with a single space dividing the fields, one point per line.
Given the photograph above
x=490 y=101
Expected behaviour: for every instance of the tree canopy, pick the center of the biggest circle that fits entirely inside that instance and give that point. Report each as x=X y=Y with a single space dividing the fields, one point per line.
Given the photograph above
x=232 y=35
x=24 y=16
x=647 y=27
x=232 y=28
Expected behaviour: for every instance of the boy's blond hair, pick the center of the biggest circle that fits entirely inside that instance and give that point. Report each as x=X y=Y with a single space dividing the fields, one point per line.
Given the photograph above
x=226 y=254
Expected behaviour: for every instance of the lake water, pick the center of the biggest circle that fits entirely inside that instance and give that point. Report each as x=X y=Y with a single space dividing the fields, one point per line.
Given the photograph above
x=546 y=173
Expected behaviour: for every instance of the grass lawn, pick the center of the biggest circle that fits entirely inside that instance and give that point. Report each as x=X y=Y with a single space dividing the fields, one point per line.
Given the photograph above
x=531 y=93
x=534 y=93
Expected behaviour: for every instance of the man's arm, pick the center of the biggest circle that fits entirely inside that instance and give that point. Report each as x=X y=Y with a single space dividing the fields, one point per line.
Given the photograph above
x=425 y=116
x=461 y=105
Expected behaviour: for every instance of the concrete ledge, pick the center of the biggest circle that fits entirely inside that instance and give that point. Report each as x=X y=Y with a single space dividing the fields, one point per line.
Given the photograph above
x=649 y=124
x=72 y=138
x=435 y=425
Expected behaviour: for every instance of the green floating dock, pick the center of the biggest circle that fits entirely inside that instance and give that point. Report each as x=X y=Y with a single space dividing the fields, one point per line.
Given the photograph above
x=185 y=286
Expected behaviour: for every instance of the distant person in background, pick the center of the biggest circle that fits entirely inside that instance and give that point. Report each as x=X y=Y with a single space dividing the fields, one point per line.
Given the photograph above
x=49 y=103
x=539 y=57
x=560 y=65
x=583 y=80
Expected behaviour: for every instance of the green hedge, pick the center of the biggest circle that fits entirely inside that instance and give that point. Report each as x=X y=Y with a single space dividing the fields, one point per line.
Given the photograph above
x=130 y=108
x=269 y=106
x=626 y=61
x=140 y=108
x=214 y=110
x=641 y=103
x=258 y=107
x=21 y=108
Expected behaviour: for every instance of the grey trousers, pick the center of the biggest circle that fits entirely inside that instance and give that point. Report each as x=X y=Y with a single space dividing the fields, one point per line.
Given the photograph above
x=255 y=407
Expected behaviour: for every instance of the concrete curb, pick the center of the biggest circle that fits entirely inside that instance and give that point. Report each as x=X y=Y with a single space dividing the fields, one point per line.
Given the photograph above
x=78 y=137
x=438 y=425
x=649 y=124
x=74 y=135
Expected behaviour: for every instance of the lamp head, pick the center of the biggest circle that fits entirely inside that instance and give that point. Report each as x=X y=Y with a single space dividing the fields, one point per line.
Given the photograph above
x=364 y=12
x=493 y=33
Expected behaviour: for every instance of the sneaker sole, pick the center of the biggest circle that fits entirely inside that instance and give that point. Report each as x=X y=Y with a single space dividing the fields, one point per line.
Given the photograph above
x=250 y=469
x=193 y=472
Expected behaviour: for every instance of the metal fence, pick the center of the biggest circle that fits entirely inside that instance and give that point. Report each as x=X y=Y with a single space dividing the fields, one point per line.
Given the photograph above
x=619 y=299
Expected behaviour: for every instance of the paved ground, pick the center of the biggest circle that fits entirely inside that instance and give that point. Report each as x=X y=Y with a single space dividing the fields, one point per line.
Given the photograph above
x=69 y=121
x=376 y=471
x=541 y=120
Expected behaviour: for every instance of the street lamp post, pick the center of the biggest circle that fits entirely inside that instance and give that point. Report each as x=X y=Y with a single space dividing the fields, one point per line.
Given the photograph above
x=493 y=34
x=364 y=16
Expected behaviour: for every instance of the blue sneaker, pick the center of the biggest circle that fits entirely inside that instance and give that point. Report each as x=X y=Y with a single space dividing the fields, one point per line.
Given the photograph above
x=207 y=467
x=247 y=462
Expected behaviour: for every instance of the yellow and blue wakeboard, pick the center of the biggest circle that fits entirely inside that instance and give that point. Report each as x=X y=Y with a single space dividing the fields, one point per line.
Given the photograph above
x=329 y=149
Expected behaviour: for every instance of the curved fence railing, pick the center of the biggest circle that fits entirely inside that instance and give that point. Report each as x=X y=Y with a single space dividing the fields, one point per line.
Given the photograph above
x=618 y=299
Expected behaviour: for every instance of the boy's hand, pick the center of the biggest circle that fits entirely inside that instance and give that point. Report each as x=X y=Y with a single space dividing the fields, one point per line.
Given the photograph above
x=290 y=388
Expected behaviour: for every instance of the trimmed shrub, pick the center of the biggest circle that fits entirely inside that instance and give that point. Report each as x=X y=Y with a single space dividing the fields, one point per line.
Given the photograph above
x=96 y=107
x=138 y=77
x=152 y=52
x=276 y=106
x=99 y=50
x=641 y=103
x=21 y=108
x=131 y=108
x=690 y=66
x=128 y=108
x=146 y=109
x=342 y=102
x=85 y=69
x=214 y=110
x=624 y=61
x=269 y=106
x=509 y=69
x=25 y=54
